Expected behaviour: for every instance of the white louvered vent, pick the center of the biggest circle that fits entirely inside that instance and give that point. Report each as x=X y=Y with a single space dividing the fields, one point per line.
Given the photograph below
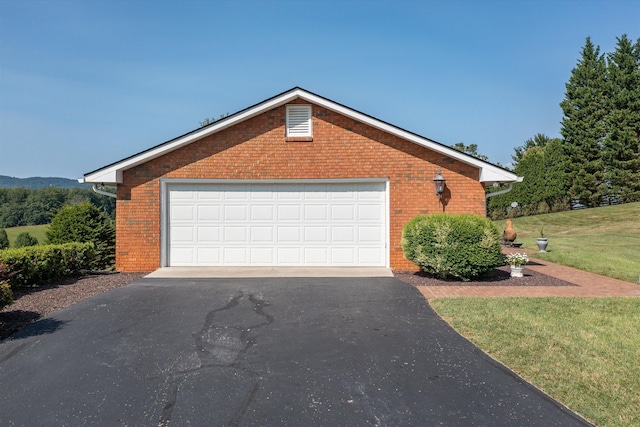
x=299 y=120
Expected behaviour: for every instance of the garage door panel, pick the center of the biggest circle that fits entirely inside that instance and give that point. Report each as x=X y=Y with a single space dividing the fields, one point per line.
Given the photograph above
x=262 y=213
x=206 y=235
x=235 y=234
x=183 y=195
x=343 y=234
x=315 y=212
x=235 y=213
x=183 y=234
x=208 y=213
x=208 y=256
x=370 y=212
x=234 y=256
x=183 y=256
x=318 y=234
x=289 y=212
x=370 y=256
x=262 y=256
x=182 y=213
x=212 y=193
x=288 y=256
x=370 y=234
x=289 y=234
x=343 y=256
x=343 y=212
x=316 y=256
x=277 y=224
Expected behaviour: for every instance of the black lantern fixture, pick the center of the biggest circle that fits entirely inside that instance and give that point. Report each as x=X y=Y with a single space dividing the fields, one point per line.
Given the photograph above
x=439 y=182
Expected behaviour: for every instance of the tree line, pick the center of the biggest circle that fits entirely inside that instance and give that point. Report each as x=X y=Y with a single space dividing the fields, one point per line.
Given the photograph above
x=597 y=160
x=22 y=206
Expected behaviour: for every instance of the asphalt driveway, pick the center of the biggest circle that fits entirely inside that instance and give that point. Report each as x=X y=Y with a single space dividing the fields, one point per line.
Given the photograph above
x=259 y=352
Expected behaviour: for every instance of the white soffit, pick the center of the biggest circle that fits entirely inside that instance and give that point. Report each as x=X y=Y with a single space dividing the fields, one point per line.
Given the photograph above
x=112 y=174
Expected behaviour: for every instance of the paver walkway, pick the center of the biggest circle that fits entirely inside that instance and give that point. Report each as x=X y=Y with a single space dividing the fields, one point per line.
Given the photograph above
x=588 y=284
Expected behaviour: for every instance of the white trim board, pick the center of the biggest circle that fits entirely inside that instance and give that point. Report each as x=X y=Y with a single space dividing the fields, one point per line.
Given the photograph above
x=365 y=252
x=112 y=174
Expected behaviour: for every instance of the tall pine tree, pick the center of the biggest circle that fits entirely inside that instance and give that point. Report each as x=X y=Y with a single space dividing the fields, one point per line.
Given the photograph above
x=622 y=144
x=584 y=127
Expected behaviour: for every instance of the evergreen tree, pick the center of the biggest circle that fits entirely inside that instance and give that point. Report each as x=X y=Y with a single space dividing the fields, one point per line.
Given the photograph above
x=4 y=239
x=25 y=239
x=622 y=144
x=85 y=223
x=584 y=127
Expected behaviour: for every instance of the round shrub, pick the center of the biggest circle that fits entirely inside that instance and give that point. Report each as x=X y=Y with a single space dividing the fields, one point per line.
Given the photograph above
x=462 y=246
x=25 y=239
x=85 y=223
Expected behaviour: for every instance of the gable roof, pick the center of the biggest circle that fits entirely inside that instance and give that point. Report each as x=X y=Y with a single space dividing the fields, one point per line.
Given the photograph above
x=112 y=174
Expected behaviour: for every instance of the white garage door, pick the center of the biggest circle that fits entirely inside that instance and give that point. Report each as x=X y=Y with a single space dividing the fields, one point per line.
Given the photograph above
x=324 y=224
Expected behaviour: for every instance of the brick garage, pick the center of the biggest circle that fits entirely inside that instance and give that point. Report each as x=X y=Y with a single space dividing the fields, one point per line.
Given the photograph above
x=341 y=149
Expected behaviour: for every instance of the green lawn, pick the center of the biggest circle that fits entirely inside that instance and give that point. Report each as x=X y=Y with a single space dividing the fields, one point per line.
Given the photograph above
x=37 y=231
x=582 y=351
x=600 y=240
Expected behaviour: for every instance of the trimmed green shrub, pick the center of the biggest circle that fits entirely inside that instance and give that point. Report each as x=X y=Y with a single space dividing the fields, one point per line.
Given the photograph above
x=85 y=223
x=4 y=239
x=6 y=295
x=37 y=265
x=25 y=239
x=463 y=246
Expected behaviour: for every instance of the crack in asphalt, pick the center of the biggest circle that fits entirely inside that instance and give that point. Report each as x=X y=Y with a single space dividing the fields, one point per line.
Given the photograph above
x=221 y=344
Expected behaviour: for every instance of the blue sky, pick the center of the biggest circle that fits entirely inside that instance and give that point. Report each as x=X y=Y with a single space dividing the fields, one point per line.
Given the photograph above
x=86 y=83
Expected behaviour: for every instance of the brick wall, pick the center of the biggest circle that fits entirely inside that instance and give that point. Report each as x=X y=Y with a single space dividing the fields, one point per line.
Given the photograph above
x=257 y=149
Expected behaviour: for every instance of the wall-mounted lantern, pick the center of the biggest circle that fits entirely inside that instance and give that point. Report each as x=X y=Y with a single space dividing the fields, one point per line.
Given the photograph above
x=439 y=181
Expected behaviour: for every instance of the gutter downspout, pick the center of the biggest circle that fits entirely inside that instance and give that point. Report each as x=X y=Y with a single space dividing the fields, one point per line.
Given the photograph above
x=99 y=188
x=497 y=193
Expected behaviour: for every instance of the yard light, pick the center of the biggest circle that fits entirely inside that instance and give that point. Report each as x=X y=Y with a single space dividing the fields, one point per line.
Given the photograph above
x=440 y=182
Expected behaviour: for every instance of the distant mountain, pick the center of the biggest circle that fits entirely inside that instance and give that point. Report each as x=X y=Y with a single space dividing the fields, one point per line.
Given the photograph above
x=38 y=182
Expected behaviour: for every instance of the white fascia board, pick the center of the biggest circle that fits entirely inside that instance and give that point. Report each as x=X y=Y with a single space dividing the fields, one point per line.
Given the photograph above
x=112 y=175
x=488 y=172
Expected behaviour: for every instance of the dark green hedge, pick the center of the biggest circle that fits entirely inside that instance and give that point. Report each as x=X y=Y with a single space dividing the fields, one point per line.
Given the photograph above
x=6 y=295
x=463 y=246
x=37 y=265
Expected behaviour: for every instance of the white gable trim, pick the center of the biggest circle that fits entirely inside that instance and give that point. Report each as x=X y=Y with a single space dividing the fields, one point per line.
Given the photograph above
x=112 y=174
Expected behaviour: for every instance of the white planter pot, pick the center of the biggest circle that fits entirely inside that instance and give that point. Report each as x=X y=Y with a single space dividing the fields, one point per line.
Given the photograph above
x=542 y=243
x=517 y=270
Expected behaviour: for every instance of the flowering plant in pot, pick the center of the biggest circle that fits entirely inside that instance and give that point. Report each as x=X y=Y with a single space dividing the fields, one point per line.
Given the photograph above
x=516 y=261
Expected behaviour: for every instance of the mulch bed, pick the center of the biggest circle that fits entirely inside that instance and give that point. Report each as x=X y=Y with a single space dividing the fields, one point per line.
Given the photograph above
x=499 y=277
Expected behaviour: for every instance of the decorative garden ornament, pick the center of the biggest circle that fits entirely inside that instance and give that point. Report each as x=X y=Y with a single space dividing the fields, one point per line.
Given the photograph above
x=542 y=241
x=509 y=234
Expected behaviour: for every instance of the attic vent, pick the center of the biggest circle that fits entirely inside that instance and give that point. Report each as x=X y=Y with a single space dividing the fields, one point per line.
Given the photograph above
x=298 y=120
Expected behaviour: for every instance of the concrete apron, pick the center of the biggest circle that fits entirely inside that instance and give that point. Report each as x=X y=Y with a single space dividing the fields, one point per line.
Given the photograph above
x=248 y=272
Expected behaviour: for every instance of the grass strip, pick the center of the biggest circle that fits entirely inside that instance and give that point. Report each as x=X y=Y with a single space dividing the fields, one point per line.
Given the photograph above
x=37 y=231
x=584 y=352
